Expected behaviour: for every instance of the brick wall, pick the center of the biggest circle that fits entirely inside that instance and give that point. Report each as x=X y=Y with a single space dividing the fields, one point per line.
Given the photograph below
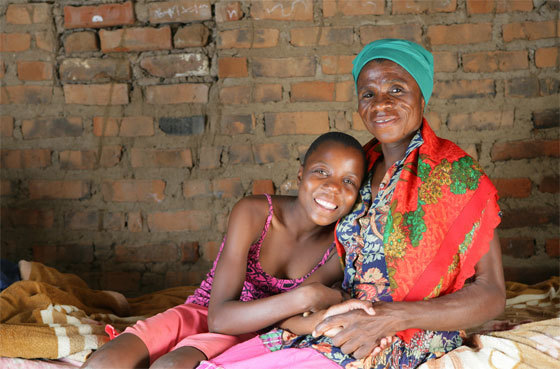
x=130 y=128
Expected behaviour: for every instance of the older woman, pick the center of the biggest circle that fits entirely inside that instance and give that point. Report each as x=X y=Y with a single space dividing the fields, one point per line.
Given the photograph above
x=423 y=225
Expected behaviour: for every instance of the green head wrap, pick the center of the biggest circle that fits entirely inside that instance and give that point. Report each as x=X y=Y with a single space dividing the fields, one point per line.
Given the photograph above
x=412 y=57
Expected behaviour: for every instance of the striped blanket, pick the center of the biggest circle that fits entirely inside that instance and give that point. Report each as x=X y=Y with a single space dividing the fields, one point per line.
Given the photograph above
x=54 y=315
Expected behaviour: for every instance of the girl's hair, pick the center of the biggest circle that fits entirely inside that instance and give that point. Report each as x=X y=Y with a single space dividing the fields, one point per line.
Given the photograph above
x=340 y=137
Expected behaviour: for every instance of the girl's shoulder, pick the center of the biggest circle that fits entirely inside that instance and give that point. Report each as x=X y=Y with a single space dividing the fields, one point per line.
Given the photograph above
x=252 y=208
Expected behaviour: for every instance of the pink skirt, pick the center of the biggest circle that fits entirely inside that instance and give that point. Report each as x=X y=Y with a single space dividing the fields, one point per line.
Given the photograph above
x=180 y=326
x=254 y=354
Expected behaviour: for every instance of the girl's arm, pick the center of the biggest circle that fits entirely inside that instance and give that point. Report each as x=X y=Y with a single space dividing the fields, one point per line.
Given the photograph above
x=474 y=304
x=228 y=315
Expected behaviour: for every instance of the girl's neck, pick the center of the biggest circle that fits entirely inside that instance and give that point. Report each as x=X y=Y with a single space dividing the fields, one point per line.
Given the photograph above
x=299 y=223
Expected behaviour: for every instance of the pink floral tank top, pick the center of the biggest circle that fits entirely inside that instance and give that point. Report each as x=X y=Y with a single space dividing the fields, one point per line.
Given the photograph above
x=258 y=283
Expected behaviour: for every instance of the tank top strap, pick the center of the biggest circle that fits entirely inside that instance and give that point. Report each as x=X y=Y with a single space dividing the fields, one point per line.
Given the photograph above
x=266 y=225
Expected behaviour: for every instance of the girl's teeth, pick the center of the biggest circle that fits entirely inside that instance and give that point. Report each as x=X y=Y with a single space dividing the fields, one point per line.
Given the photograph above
x=326 y=204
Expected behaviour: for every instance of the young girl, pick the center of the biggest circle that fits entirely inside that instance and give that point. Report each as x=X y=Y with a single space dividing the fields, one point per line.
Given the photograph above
x=275 y=262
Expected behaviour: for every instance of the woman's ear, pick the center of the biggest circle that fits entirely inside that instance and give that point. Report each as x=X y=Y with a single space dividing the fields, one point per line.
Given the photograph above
x=423 y=104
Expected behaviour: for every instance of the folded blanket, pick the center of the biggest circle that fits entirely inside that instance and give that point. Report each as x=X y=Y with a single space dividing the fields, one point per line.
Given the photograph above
x=54 y=315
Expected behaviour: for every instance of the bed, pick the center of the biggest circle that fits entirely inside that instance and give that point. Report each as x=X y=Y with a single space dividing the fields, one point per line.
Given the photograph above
x=54 y=320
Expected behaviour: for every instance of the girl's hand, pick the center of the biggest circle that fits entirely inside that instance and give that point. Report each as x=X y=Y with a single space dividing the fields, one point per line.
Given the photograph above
x=320 y=297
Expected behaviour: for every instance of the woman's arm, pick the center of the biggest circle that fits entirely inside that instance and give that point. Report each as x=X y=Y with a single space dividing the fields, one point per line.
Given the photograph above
x=228 y=315
x=476 y=303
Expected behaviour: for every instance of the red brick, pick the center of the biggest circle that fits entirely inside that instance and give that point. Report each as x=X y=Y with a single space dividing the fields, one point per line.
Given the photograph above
x=34 y=70
x=300 y=123
x=357 y=122
x=235 y=94
x=124 y=282
x=546 y=57
x=189 y=252
x=228 y=11
x=94 y=69
x=283 y=10
x=434 y=119
x=232 y=67
x=494 y=61
x=93 y=221
x=135 y=39
x=498 y=6
x=28 y=13
x=344 y=91
x=14 y=42
x=460 y=34
x=193 y=35
x=529 y=31
x=549 y=86
x=45 y=189
x=271 y=153
x=57 y=254
x=227 y=188
x=180 y=11
x=525 y=149
x=481 y=120
x=353 y=7
x=210 y=157
x=445 y=61
x=52 y=127
x=134 y=222
x=98 y=16
x=146 y=253
x=267 y=92
x=194 y=188
x=470 y=149
x=248 y=38
x=46 y=40
x=422 y=6
x=340 y=121
x=529 y=217
x=160 y=158
x=84 y=160
x=5 y=187
x=552 y=247
x=337 y=64
x=546 y=119
x=550 y=184
x=412 y=32
x=177 y=221
x=236 y=124
x=133 y=190
x=455 y=89
x=6 y=126
x=522 y=87
x=2 y=69
x=240 y=154
x=513 y=187
x=26 y=94
x=261 y=186
x=29 y=218
x=23 y=159
x=177 y=94
x=100 y=94
x=312 y=91
x=125 y=127
x=176 y=65
x=284 y=67
x=310 y=36
x=518 y=247
x=78 y=42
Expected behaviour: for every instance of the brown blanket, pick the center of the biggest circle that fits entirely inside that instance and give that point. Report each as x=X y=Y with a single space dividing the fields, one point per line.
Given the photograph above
x=54 y=315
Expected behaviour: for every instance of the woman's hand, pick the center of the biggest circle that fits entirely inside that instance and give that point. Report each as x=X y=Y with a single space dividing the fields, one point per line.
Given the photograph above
x=360 y=328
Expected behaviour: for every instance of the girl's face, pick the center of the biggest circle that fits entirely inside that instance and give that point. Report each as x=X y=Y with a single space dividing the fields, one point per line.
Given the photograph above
x=389 y=102
x=330 y=181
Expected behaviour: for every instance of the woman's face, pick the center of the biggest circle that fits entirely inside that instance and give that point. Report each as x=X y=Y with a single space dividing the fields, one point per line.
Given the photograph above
x=389 y=102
